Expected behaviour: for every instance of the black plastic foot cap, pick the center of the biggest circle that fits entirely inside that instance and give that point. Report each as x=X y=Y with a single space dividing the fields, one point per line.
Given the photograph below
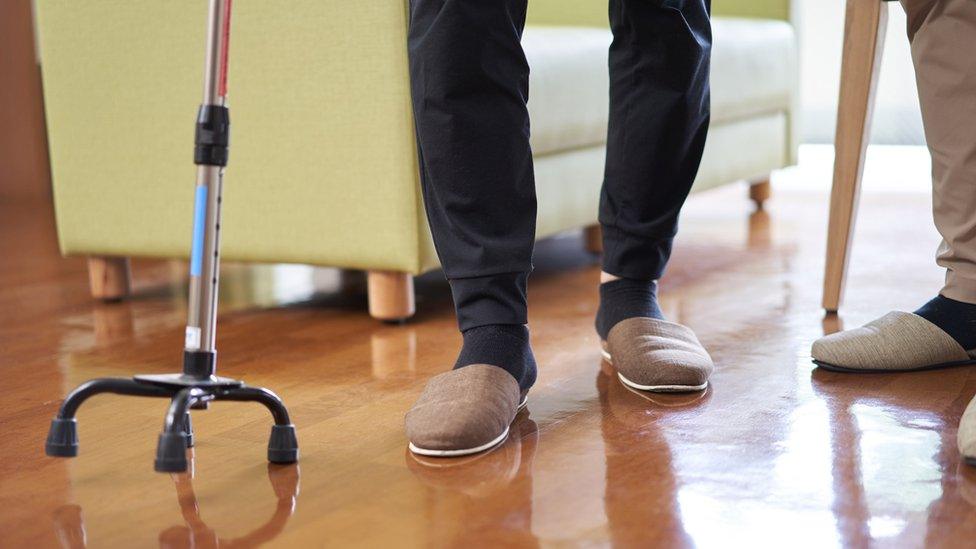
x=62 y=439
x=171 y=453
x=283 y=446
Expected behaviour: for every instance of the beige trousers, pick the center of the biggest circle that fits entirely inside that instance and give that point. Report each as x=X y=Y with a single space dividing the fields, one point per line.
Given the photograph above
x=943 y=38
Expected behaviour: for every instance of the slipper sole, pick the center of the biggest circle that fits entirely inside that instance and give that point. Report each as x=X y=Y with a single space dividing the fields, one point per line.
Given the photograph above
x=468 y=451
x=654 y=388
x=842 y=369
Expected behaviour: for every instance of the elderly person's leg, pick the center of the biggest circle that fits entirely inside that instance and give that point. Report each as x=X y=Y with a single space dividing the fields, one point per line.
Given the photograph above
x=943 y=34
x=659 y=112
x=469 y=83
x=943 y=331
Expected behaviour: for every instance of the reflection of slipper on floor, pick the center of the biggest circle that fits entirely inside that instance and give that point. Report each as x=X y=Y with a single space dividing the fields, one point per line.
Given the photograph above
x=966 y=435
x=482 y=473
x=656 y=355
x=966 y=482
x=670 y=399
x=636 y=410
x=464 y=411
x=896 y=342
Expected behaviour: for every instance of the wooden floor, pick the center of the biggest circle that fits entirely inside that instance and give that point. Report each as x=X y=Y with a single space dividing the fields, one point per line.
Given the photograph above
x=775 y=453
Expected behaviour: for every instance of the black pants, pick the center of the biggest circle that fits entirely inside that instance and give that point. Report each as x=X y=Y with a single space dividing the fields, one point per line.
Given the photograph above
x=470 y=84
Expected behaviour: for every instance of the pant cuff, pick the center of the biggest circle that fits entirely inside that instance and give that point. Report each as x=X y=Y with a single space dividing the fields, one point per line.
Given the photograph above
x=959 y=288
x=493 y=299
x=630 y=256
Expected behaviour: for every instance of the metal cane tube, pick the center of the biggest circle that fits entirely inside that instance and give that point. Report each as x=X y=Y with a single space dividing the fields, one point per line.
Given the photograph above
x=203 y=284
x=210 y=157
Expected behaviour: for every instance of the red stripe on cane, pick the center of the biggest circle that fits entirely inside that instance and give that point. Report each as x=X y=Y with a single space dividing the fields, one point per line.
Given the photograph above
x=224 y=47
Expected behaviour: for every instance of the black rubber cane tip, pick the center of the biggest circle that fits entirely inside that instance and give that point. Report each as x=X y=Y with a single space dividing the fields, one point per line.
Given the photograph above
x=283 y=445
x=171 y=453
x=62 y=439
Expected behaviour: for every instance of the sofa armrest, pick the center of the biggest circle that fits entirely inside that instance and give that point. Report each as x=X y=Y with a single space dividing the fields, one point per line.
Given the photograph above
x=762 y=9
x=590 y=13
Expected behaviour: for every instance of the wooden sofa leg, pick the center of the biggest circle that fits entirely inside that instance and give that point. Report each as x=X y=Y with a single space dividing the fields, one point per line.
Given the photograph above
x=390 y=295
x=109 y=277
x=760 y=191
x=593 y=239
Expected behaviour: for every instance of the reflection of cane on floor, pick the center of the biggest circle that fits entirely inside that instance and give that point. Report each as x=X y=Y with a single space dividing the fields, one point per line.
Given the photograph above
x=196 y=533
x=197 y=385
x=70 y=524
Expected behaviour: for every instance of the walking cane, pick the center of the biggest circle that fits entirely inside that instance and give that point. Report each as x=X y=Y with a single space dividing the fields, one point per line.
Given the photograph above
x=198 y=384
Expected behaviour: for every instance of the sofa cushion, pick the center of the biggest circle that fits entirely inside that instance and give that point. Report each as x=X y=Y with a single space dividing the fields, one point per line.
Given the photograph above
x=753 y=73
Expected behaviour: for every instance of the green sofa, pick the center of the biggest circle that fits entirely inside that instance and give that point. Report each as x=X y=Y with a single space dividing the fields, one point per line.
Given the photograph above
x=323 y=165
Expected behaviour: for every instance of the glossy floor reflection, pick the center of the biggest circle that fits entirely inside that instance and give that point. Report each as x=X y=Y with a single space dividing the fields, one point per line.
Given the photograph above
x=69 y=519
x=774 y=453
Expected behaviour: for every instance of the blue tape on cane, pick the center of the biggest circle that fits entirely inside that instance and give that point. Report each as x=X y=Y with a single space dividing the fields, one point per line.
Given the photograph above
x=199 y=218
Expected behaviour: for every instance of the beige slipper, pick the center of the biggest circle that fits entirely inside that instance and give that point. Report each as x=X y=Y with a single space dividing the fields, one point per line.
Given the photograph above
x=656 y=355
x=898 y=341
x=966 y=435
x=464 y=411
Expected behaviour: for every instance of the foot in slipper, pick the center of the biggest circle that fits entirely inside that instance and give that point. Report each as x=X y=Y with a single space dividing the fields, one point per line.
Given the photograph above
x=898 y=341
x=464 y=411
x=648 y=352
x=656 y=355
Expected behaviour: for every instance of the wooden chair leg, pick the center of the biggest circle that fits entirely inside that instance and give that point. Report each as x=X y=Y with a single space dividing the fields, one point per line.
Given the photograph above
x=864 y=31
x=109 y=277
x=593 y=239
x=390 y=295
x=760 y=191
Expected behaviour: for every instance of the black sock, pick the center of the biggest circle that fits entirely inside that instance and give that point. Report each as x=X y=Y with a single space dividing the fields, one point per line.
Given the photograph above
x=502 y=345
x=626 y=298
x=953 y=317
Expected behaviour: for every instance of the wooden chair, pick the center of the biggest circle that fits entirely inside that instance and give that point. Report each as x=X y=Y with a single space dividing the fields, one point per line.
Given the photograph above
x=864 y=31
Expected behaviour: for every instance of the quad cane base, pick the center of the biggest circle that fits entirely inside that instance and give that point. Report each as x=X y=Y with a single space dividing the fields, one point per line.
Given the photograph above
x=185 y=392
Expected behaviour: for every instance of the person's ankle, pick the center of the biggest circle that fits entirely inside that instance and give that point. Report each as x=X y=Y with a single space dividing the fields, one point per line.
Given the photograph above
x=956 y=318
x=623 y=298
x=503 y=345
